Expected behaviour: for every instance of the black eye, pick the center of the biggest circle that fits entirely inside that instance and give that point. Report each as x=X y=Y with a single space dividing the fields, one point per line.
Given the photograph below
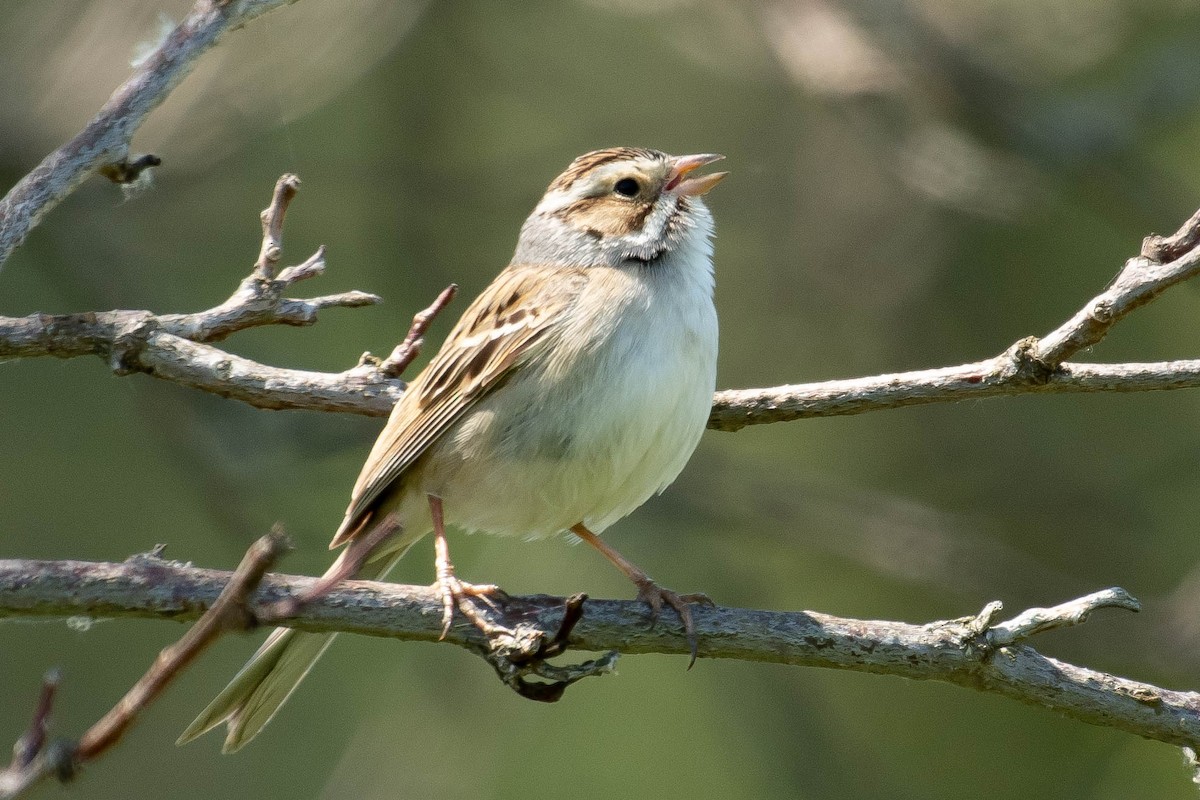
x=627 y=187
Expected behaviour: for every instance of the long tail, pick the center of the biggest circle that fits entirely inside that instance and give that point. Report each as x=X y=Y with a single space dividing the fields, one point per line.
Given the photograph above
x=268 y=679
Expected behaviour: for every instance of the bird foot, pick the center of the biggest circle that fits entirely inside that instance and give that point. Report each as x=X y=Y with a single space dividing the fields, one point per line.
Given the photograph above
x=462 y=595
x=655 y=595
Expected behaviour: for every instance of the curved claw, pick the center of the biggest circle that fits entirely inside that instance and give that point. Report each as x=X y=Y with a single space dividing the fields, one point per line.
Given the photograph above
x=447 y=594
x=655 y=595
x=455 y=593
x=699 y=598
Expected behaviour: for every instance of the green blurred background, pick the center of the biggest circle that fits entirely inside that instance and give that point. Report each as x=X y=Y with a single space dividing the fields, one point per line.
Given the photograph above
x=915 y=183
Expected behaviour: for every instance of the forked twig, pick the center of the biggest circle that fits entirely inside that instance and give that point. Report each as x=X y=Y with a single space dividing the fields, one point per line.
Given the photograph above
x=177 y=347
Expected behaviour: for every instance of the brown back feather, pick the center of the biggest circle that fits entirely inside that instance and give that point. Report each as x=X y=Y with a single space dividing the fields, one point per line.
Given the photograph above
x=514 y=314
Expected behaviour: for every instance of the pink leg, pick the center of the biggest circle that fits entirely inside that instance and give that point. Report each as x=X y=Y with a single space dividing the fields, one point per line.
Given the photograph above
x=453 y=591
x=649 y=591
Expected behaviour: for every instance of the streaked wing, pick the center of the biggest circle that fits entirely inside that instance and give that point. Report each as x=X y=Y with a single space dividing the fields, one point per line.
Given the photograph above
x=503 y=328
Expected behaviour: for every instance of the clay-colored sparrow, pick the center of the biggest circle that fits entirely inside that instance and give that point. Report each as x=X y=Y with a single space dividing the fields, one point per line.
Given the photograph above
x=574 y=388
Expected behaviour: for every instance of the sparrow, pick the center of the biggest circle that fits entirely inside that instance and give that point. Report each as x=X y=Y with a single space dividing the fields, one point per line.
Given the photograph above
x=574 y=388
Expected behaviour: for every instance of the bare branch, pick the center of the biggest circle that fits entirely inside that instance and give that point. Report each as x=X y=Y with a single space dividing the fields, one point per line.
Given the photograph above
x=359 y=389
x=1138 y=283
x=259 y=301
x=33 y=740
x=1006 y=375
x=230 y=611
x=1161 y=249
x=394 y=365
x=172 y=347
x=103 y=145
x=135 y=341
x=1073 y=612
x=975 y=651
x=175 y=347
x=1029 y=366
x=272 y=224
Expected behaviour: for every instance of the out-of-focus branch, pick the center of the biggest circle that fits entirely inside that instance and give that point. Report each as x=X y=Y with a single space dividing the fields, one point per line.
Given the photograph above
x=103 y=145
x=979 y=651
x=34 y=760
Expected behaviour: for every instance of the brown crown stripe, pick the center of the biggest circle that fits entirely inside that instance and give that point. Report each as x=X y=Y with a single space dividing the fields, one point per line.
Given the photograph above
x=597 y=158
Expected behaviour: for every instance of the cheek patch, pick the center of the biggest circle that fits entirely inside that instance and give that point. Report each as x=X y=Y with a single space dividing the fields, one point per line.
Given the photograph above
x=606 y=216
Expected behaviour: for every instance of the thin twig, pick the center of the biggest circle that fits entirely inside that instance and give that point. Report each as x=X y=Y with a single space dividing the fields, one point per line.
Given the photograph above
x=176 y=347
x=230 y=611
x=347 y=566
x=1074 y=612
x=1138 y=283
x=33 y=740
x=394 y=365
x=272 y=226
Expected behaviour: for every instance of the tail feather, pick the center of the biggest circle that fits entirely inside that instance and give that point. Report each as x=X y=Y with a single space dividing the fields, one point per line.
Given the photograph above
x=256 y=692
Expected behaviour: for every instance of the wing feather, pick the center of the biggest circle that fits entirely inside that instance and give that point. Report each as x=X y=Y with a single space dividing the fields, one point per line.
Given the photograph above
x=504 y=328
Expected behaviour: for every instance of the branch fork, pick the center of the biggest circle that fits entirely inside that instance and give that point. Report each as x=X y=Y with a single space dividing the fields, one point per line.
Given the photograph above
x=178 y=347
x=517 y=653
x=259 y=298
x=175 y=347
x=983 y=634
x=1030 y=365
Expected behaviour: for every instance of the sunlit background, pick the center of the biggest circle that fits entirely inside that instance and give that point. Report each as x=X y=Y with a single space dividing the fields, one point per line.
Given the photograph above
x=915 y=183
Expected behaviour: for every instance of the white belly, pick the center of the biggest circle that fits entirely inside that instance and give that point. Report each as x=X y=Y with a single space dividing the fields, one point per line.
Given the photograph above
x=591 y=441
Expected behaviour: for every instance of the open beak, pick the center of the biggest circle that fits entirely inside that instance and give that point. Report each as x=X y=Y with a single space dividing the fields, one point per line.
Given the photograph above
x=682 y=165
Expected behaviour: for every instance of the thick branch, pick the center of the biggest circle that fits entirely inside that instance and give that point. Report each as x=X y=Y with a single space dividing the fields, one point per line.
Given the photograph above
x=103 y=145
x=976 y=651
